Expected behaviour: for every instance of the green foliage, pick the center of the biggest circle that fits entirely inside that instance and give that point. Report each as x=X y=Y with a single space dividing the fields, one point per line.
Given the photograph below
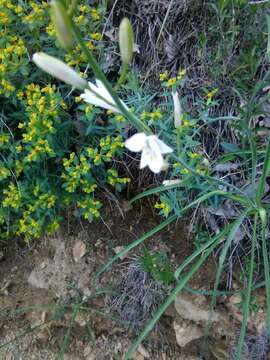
x=46 y=162
x=158 y=265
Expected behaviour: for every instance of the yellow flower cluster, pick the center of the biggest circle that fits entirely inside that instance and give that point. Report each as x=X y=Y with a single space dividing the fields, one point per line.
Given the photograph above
x=90 y=208
x=210 y=95
x=4 y=172
x=174 y=80
x=164 y=207
x=12 y=197
x=12 y=50
x=108 y=148
x=42 y=108
x=53 y=226
x=29 y=227
x=44 y=200
x=40 y=147
x=96 y=36
x=95 y=14
x=36 y=13
x=84 y=9
x=75 y=169
x=115 y=181
x=163 y=76
x=155 y=115
x=4 y=139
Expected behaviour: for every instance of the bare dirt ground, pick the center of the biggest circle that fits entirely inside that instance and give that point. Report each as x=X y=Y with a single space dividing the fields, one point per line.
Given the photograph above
x=41 y=284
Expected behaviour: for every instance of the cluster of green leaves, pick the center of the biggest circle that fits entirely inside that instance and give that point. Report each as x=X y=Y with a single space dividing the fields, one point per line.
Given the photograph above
x=158 y=265
x=46 y=163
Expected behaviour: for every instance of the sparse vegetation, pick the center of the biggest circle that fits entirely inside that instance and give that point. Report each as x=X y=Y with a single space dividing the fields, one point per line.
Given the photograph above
x=193 y=102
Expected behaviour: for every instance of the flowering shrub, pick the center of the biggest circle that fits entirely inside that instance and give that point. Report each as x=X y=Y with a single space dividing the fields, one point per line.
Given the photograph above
x=46 y=162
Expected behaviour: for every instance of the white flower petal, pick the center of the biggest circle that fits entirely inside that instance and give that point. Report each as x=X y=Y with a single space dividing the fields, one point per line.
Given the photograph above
x=93 y=87
x=103 y=91
x=144 y=158
x=92 y=99
x=155 y=159
x=136 y=142
x=164 y=149
x=156 y=163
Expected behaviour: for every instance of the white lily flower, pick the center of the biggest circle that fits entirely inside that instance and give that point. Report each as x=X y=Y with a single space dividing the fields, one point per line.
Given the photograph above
x=152 y=150
x=98 y=95
x=177 y=109
x=59 y=70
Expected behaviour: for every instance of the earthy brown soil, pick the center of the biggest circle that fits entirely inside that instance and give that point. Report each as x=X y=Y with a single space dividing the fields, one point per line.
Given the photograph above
x=31 y=327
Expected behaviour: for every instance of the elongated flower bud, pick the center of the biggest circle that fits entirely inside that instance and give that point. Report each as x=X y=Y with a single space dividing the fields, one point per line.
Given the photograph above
x=126 y=40
x=177 y=110
x=59 y=70
x=62 y=24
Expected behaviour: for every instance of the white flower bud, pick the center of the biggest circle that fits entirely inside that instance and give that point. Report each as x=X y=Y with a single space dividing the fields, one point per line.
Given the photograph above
x=126 y=40
x=177 y=110
x=59 y=70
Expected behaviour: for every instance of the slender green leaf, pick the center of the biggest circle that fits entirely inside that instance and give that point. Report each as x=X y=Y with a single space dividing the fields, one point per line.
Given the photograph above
x=263 y=218
x=248 y=292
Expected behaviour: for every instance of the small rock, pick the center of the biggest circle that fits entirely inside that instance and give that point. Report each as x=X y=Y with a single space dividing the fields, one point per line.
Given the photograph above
x=186 y=332
x=87 y=351
x=36 y=280
x=194 y=307
x=142 y=350
x=79 y=250
x=81 y=319
x=9 y=356
x=233 y=307
x=138 y=356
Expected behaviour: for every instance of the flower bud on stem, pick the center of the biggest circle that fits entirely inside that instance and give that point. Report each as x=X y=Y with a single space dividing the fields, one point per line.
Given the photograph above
x=62 y=24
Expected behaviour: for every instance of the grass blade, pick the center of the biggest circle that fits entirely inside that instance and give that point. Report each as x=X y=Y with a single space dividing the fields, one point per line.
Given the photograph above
x=248 y=292
x=263 y=217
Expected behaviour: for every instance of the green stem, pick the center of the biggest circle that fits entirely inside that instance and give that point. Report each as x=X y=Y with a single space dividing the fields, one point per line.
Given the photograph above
x=122 y=78
x=178 y=130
